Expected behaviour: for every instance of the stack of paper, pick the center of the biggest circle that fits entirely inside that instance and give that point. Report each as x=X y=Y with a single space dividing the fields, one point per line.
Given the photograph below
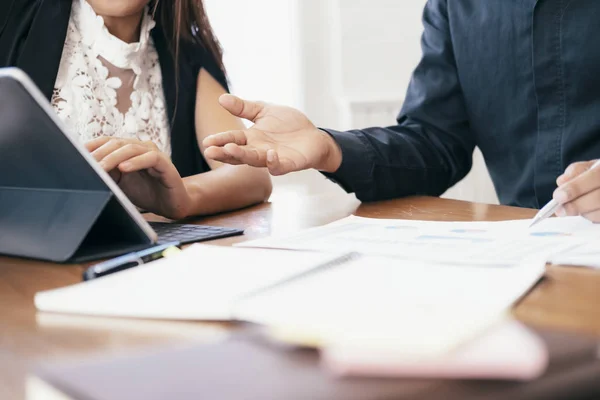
x=489 y=243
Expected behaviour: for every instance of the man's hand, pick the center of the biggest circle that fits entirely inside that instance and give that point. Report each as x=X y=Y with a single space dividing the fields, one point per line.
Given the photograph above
x=146 y=175
x=282 y=139
x=579 y=191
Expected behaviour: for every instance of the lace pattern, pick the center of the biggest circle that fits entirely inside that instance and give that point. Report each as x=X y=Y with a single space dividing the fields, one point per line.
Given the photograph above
x=86 y=93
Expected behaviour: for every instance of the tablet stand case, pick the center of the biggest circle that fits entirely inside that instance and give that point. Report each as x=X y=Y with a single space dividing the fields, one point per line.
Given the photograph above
x=53 y=205
x=63 y=226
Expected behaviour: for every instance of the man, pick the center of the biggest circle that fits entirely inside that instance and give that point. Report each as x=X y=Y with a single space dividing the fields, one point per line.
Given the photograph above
x=518 y=78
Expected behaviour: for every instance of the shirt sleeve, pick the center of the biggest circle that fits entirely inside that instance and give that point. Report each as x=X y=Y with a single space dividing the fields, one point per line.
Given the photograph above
x=431 y=147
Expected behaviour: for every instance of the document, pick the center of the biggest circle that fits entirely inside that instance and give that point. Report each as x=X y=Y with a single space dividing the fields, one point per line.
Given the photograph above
x=418 y=308
x=586 y=255
x=491 y=243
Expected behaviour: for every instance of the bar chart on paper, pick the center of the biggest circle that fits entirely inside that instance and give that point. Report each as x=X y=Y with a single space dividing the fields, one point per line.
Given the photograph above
x=490 y=243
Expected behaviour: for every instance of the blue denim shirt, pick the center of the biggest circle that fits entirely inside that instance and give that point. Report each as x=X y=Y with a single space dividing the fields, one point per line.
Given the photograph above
x=520 y=79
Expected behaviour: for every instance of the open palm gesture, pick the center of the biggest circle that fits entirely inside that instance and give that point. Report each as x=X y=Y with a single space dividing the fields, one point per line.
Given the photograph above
x=282 y=139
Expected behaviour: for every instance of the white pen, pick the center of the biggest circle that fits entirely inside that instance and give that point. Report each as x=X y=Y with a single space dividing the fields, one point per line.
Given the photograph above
x=549 y=209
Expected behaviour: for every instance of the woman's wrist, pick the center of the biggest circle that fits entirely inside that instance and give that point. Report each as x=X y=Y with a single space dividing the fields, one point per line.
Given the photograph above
x=177 y=205
x=190 y=199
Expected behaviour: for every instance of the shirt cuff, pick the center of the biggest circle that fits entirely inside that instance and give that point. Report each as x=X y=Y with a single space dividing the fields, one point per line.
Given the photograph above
x=356 y=170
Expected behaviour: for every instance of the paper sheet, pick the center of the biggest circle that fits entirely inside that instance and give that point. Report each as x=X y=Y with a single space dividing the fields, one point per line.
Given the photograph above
x=200 y=283
x=492 y=243
x=422 y=308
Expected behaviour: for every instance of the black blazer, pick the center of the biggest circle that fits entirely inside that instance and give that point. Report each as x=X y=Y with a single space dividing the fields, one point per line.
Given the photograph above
x=32 y=36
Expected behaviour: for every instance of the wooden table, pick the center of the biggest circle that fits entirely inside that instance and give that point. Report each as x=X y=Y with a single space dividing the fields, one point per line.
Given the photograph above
x=568 y=299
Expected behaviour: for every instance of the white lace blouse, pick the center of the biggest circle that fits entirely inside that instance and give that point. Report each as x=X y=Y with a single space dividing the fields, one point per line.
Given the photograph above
x=106 y=87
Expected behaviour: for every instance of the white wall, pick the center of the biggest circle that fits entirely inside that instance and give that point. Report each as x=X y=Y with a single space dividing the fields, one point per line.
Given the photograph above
x=380 y=46
x=345 y=63
x=260 y=41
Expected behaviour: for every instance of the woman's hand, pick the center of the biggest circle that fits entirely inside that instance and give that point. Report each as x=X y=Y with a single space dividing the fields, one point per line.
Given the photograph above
x=146 y=175
x=282 y=139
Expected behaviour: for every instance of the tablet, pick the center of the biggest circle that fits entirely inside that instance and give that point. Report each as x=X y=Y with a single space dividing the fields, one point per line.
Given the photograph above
x=56 y=202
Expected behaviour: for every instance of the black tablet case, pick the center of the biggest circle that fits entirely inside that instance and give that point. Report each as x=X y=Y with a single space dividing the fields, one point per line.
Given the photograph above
x=53 y=205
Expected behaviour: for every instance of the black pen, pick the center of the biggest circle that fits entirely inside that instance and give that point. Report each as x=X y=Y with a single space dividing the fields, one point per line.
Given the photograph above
x=129 y=261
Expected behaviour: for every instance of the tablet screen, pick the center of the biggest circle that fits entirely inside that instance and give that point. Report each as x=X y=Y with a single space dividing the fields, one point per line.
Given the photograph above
x=34 y=153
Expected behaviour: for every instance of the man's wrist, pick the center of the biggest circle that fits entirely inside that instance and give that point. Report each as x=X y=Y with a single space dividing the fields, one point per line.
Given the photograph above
x=332 y=158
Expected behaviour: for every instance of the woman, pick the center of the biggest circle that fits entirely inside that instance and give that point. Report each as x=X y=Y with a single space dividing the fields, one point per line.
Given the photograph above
x=120 y=75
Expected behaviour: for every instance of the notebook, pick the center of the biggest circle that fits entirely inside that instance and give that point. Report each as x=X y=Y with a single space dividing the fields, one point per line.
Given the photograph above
x=200 y=283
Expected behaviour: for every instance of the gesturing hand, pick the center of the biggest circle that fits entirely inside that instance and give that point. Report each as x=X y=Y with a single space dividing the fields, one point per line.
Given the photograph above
x=282 y=139
x=146 y=175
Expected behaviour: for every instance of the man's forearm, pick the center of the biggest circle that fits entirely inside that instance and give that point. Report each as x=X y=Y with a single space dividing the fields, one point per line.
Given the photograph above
x=385 y=163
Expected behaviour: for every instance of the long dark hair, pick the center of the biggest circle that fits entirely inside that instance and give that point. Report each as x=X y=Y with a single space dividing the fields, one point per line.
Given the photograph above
x=187 y=20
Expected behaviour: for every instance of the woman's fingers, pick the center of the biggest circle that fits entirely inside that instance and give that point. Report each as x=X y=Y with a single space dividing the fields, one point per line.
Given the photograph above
x=93 y=145
x=121 y=155
x=157 y=165
x=105 y=145
x=150 y=144
x=147 y=160
x=107 y=148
